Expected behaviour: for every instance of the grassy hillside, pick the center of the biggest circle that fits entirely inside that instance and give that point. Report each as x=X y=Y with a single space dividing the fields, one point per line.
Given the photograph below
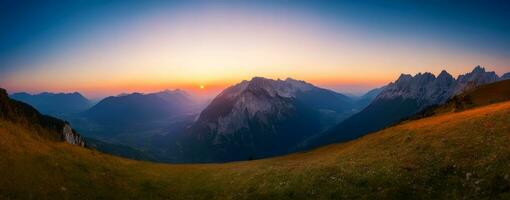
x=454 y=155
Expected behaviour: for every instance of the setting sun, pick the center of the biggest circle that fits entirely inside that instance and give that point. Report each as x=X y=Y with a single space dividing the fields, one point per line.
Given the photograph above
x=202 y=87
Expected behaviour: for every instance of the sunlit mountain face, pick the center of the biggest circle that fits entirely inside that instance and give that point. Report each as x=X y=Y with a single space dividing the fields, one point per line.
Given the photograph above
x=254 y=99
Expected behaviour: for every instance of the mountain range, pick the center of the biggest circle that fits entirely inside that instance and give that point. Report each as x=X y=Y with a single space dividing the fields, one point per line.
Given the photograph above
x=260 y=117
x=138 y=107
x=448 y=154
x=405 y=97
x=55 y=104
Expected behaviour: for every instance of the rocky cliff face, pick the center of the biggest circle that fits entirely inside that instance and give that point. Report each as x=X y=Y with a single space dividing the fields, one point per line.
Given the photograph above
x=264 y=117
x=71 y=137
x=424 y=88
x=258 y=99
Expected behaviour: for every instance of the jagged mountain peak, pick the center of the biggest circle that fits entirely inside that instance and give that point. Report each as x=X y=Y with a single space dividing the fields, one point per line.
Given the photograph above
x=404 y=77
x=425 y=77
x=445 y=75
x=477 y=73
x=261 y=82
x=427 y=85
x=426 y=88
x=478 y=69
x=420 y=77
x=475 y=78
x=283 y=88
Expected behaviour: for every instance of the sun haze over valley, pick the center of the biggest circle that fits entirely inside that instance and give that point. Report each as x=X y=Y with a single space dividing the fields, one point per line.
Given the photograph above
x=288 y=99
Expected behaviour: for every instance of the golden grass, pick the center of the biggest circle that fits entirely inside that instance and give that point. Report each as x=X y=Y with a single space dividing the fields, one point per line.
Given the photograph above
x=455 y=155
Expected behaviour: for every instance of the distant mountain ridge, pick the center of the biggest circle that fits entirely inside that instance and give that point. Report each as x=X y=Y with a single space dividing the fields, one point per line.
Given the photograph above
x=56 y=104
x=403 y=98
x=425 y=88
x=138 y=107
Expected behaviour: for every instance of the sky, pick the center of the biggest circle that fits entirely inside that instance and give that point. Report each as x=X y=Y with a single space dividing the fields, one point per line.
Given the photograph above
x=102 y=48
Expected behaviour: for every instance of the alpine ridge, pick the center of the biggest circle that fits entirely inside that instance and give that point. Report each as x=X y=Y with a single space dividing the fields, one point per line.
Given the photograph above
x=404 y=98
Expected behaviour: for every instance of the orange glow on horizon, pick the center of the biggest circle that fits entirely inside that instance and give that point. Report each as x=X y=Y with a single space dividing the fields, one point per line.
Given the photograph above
x=99 y=89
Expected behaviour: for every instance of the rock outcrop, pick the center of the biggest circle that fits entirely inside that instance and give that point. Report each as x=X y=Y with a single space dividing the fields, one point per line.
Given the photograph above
x=71 y=137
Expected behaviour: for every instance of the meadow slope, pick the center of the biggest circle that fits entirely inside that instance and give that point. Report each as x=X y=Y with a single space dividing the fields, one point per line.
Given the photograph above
x=453 y=155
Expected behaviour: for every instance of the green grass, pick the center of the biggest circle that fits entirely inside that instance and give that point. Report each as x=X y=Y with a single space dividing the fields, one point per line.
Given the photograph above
x=449 y=156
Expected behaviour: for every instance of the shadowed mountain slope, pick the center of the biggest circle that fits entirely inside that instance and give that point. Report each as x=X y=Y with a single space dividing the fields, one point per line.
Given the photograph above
x=139 y=108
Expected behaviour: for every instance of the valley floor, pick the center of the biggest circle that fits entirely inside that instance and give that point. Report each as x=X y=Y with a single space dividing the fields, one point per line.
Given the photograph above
x=450 y=156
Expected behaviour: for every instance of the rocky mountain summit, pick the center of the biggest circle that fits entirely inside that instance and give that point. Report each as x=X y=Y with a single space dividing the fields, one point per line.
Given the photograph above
x=255 y=99
x=427 y=89
x=264 y=117
x=475 y=78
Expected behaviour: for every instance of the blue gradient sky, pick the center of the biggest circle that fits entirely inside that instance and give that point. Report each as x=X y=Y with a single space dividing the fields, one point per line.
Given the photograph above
x=106 y=47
